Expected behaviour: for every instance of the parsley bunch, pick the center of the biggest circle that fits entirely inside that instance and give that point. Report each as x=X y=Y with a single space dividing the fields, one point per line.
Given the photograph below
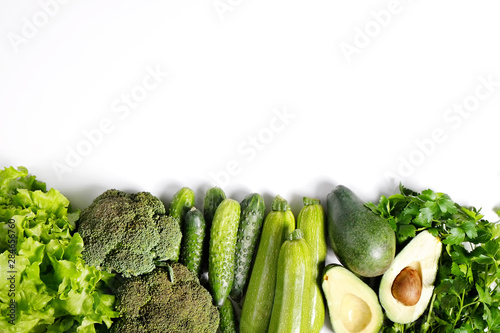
x=467 y=291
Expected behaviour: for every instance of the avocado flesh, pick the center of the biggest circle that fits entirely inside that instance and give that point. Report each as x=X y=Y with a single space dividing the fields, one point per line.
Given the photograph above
x=420 y=256
x=353 y=306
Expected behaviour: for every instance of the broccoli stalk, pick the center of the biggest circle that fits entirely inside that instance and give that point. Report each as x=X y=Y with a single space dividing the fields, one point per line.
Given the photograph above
x=128 y=233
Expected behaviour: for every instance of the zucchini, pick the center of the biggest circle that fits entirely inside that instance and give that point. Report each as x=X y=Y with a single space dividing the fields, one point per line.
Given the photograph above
x=292 y=300
x=252 y=216
x=311 y=220
x=193 y=239
x=257 y=306
x=222 y=248
x=182 y=202
x=227 y=316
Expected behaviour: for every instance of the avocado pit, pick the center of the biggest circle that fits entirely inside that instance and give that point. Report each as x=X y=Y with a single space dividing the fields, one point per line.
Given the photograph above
x=407 y=286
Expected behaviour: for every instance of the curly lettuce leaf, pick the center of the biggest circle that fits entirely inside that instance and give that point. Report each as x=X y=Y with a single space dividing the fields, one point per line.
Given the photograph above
x=52 y=287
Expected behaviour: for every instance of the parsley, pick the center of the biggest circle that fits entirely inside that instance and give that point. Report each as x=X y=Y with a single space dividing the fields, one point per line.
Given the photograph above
x=466 y=297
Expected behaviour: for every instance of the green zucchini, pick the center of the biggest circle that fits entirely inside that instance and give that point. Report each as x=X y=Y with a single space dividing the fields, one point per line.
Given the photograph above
x=252 y=216
x=257 y=306
x=312 y=221
x=182 y=202
x=292 y=300
x=193 y=239
x=221 y=252
x=227 y=316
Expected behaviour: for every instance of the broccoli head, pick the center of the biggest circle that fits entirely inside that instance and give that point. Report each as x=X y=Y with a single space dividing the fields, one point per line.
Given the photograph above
x=127 y=233
x=168 y=299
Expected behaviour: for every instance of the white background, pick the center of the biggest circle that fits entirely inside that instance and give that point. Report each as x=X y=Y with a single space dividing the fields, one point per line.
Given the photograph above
x=277 y=97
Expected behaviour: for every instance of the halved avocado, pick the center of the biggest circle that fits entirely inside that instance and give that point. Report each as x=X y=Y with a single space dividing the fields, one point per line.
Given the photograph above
x=353 y=306
x=406 y=287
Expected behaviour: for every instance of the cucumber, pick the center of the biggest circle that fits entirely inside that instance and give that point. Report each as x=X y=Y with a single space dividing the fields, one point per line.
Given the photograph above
x=182 y=202
x=221 y=252
x=252 y=216
x=213 y=198
x=193 y=239
x=259 y=296
x=311 y=221
x=227 y=316
x=292 y=300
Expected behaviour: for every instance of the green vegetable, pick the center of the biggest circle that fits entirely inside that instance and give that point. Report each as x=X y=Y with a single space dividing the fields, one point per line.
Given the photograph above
x=353 y=306
x=128 y=233
x=213 y=197
x=168 y=299
x=362 y=241
x=292 y=300
x=227 y=318
x=221 y=254
x=466 y=297
x=257 y=307
x=407 y=286
x=311 y=221
x=182 y=202
x=193 y=240
x=44 y=283
x=252 y=216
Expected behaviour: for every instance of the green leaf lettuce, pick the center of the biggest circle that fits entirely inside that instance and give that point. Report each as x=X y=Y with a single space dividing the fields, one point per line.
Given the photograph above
x=54 y=290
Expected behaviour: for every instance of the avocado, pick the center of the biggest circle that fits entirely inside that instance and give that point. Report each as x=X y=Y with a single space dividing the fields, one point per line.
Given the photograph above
x=406 y=287
x=353 y=306
x=363 y=241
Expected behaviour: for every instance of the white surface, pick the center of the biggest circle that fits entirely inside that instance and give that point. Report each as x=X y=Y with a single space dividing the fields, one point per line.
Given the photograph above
x=262 y=89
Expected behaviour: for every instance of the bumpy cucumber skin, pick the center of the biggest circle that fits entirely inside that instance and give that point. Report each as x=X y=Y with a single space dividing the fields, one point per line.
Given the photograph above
x=227 y=318
x=193 y=240
x=252 y=216
x=182 y=202
x=213 y=197
x=291 y=306
x=259 y=296
x=221 y=253
x=312 y=222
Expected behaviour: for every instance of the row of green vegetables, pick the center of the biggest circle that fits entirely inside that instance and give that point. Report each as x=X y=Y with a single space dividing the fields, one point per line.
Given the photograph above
x=269 y=264
x=412 y=262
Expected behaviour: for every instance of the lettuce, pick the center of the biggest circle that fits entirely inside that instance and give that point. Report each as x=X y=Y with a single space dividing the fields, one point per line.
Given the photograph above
x=45 y=286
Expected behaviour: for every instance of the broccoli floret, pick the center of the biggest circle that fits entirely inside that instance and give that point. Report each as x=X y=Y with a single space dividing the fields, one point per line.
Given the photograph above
x=127 y=233
x=165 y=300
x=168 y=248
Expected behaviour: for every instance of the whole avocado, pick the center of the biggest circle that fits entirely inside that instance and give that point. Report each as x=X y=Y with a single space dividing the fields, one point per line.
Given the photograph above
x=362 y=241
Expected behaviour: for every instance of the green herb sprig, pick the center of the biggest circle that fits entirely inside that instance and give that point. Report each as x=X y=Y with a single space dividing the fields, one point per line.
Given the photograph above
x=467 y=290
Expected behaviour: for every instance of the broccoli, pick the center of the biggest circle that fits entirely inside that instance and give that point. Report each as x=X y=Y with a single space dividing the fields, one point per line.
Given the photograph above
x=168 y=299
x=128 y=233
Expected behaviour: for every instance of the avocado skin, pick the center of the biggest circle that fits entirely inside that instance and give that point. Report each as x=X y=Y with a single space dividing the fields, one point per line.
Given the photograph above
x=362 y=241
